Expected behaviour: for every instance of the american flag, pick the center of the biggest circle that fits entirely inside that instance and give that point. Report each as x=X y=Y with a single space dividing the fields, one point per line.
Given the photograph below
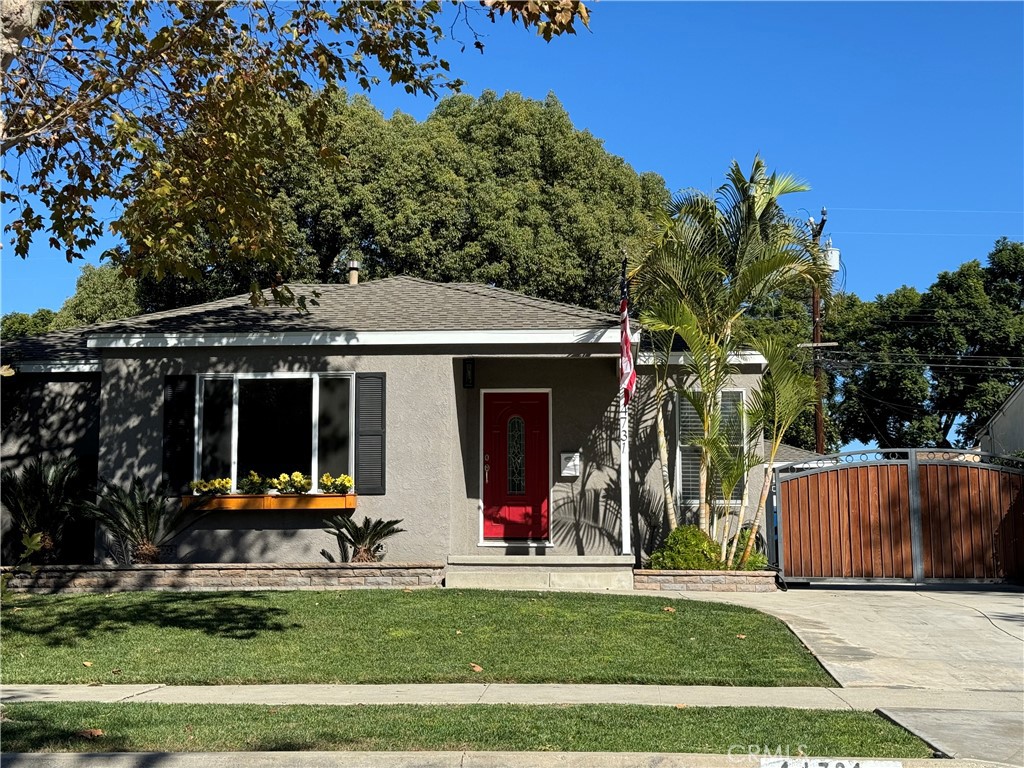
x=627 y=373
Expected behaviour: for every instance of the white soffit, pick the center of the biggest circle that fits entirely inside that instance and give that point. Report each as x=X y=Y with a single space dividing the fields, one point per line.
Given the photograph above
x=52 y=366
x=681 y=358
x=356 y=338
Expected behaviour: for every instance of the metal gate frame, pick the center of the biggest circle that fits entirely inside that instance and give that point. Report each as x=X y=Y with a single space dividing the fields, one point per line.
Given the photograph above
x=912 y=458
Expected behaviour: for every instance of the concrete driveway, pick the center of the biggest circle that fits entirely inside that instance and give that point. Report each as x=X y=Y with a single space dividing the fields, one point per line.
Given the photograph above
x=948 y=641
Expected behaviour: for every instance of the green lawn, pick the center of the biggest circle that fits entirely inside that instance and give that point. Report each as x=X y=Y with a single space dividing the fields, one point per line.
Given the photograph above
x=606 y=728
x=386 y=636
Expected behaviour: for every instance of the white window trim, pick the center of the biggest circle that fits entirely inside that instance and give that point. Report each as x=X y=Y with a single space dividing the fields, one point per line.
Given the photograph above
x=235 y=378
x=529 y=543
x=678 y=474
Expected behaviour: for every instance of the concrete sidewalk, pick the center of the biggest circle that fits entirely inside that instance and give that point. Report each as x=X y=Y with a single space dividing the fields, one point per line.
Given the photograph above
x=865 y=699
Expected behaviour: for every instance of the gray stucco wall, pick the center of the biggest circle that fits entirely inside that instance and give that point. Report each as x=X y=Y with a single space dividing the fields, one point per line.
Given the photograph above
x=433 y=442
x=420 y=420
x=47 y=416
x=584 y=511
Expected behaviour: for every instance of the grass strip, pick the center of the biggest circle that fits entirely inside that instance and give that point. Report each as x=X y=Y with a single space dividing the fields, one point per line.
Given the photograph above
x=389 y=636
x=145 y=727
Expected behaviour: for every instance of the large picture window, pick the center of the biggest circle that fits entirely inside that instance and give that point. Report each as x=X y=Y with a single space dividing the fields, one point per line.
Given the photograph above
x=273 y=424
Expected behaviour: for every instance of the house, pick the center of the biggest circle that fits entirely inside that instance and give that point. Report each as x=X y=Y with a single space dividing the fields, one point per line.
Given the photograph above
x=1004 y=432
x=487 y=421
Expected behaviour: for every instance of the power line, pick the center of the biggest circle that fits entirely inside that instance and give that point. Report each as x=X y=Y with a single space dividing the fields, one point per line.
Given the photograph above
x=922 y=210
x=921 y=234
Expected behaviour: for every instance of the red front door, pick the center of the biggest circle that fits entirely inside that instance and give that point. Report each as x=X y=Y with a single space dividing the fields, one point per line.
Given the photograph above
x=516 y=477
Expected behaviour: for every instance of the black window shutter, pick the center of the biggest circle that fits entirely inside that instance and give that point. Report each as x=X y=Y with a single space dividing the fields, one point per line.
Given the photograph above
x=179 y=431
x=370 y=433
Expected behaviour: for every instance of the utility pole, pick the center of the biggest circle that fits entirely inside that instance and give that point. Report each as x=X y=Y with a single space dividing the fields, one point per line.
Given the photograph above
x=819 y=383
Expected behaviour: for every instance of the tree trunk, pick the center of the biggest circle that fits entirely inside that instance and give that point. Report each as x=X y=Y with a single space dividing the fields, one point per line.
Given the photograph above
x=744 y=500
x=757 y=512
x=659 y=411
x=18 y=19
x=704 y=520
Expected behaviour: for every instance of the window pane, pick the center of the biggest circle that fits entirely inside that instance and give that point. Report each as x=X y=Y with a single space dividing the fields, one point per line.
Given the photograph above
x=216 y=429
x=334 y=438
x=516 y=456
x=275 y=426
x=731 y=418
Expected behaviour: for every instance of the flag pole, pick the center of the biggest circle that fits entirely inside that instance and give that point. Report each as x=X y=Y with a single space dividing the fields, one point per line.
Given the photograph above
x=623 y=397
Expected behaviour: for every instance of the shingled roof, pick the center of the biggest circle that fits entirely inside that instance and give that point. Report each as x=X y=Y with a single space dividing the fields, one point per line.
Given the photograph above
x=391 y=304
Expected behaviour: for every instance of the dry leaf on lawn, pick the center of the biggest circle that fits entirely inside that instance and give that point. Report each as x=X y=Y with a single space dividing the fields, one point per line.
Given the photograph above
x=458 y=631
x=682 y=706
x=407 y=591
x=476 y=667
x=668 y=609
x=90 y=733
x=742 y=637
x=86 y=663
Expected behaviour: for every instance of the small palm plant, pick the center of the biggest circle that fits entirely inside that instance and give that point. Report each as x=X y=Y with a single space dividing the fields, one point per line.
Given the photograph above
x=362 y=543
x=143 y=519
x=40 y=498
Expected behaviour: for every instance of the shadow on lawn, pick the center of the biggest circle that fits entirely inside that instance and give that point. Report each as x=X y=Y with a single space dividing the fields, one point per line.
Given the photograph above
x=64 y=621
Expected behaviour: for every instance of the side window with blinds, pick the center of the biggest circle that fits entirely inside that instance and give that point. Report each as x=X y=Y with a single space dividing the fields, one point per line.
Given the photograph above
x=732 y=425
x=371 y=440
x=689 y=454
x=179 y=432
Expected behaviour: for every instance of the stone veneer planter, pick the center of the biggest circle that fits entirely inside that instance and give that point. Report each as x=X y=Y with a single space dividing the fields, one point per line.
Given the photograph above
x=704 y=581
x=226 y=577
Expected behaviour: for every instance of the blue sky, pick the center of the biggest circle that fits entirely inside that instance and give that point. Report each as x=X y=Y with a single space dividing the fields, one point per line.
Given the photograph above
x=907 y=119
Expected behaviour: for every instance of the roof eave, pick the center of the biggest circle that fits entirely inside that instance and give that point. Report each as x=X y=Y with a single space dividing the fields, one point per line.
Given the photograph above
x=355 y=338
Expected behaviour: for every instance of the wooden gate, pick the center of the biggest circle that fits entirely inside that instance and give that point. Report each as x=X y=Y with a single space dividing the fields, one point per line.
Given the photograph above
x=901 y=514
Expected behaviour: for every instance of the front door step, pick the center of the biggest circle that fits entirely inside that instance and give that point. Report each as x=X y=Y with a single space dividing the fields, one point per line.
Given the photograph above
x=539 y=572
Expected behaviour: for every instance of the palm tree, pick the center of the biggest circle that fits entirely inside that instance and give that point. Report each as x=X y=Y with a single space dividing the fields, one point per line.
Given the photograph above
x=785 y=393
x=712 y=258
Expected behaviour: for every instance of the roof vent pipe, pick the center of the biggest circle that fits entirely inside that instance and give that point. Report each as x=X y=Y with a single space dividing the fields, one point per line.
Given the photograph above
x=353 y=271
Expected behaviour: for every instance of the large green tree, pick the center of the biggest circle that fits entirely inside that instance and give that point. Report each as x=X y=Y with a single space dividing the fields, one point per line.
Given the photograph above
x=17 y=325
x=101 y=293
x=500 y=190
x=930 y=369
x=93 y=92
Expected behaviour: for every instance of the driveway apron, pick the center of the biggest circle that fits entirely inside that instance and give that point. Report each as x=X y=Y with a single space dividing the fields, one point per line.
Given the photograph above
x=947 y=640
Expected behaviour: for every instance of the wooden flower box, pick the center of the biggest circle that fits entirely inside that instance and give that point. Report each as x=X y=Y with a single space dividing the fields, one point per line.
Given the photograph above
x=260 y=501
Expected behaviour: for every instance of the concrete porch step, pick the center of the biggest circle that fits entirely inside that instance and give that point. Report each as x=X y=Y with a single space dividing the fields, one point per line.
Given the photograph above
x=539 y=571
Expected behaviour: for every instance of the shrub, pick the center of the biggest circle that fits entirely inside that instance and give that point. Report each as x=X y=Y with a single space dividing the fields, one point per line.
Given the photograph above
x=758 y=559
x=360 y=543
x=41 y=498
x=687 y=548
x=140 y=518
